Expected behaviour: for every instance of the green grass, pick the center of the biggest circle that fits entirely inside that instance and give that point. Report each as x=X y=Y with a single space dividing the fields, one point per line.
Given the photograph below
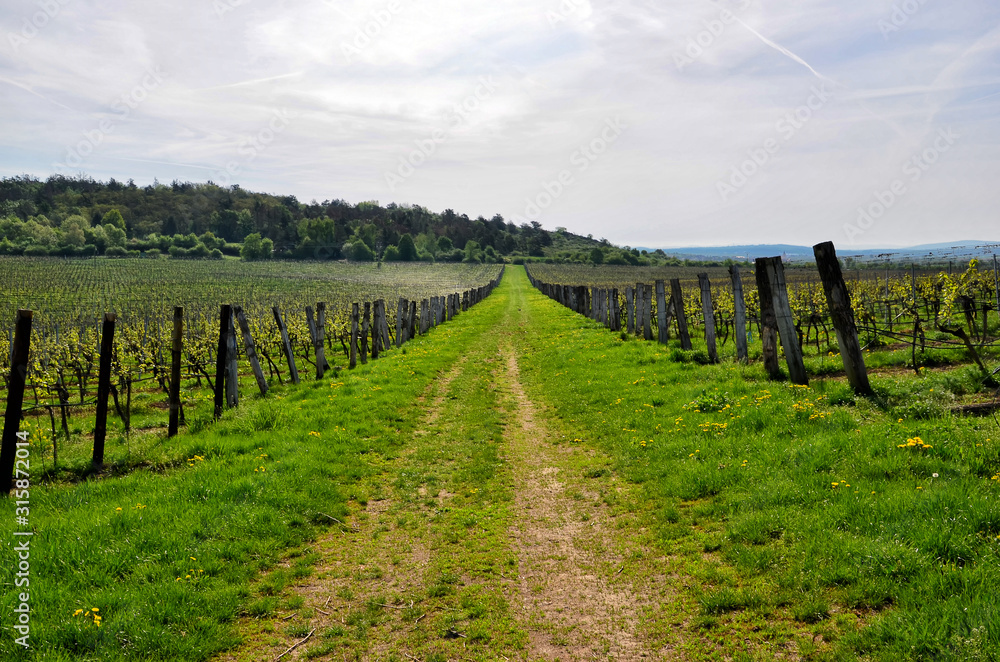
x=793 y=516
x=812 y=504
x=168 y=552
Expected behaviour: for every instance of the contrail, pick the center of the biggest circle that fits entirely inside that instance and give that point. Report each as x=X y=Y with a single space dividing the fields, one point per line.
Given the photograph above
x=784 y=51
x=249 y=82
x=172 y=163
x=40 y=96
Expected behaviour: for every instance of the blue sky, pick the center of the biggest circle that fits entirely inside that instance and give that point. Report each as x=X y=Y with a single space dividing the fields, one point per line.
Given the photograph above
x=655 y=124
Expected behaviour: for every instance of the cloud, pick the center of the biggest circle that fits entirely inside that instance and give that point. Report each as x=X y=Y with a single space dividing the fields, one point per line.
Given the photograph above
x=362 y=83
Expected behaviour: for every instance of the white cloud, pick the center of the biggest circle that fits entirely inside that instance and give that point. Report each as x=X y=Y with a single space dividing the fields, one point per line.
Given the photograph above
x=562 y=67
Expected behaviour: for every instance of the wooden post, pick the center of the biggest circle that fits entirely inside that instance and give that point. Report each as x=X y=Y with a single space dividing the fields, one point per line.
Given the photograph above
x=662 y=330
x=677 y=296
x=424 y=312
x=20 y=346
x=401 y=309
x=629 y=309
x=384 y=329
x=637 y=301
x=412 y=321
x=768 y=324
x=251 y=349
x=740 y=314
x=615 y=310
x=354 y=336
x=647 y=311
x=376 y=331
x=103 y=389
x=364 y=332
x=321 y=363
x=708 y=312
x=786 y=324
x=839 y=300
x=220 y=359
x=176 y=353
x=286 y=345
x=996 y=282
x=232 y=367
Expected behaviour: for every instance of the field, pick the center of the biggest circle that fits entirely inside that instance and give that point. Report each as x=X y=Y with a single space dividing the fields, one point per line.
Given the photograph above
x=70 y=298
x=521 y=483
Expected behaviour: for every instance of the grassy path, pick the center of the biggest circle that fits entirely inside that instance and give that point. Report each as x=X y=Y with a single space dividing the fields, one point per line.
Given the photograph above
x=489 y=536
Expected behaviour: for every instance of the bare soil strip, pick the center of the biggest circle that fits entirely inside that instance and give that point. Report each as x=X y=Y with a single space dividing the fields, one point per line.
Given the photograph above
x=576 y=603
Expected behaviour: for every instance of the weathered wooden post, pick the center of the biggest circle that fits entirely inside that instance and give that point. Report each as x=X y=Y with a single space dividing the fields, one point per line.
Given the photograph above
x=385 y=326
x=354 y=336
x=321 y=339
x=708 y=312
x=412 y=321
x=839 y=300
x=20 y=346
x=376 y=331
x=740 y=314
x=103 y=389
x=401 y=309
x=364 y=333
x=232 y=367
x=424 y=314
x=677 y=296
x=629 y=310
x=996 y=282
x=220 y=359
x=768 y=324
x=647 y=310
x=662 y=328
x=251 y=349
x=286 y=345
x=176 y=354
x=786 y=324
x=616 y=316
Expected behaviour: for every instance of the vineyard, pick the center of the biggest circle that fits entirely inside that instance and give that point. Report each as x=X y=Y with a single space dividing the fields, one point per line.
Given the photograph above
x=70 y=298
x=923 y=317
x=519 y=483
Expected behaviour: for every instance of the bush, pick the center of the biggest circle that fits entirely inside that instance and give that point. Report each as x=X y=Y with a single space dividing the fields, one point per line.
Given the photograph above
x=36 y=250
x=391 y=254
x=361 y=253
x=216 y=254
x=153 y=253
x=115 y=251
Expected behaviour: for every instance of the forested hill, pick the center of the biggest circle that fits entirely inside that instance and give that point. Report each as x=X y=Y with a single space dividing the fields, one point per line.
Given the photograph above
x=81 y=216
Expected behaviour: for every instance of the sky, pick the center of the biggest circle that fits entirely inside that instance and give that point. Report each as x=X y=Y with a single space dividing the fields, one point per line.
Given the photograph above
x=659 y=124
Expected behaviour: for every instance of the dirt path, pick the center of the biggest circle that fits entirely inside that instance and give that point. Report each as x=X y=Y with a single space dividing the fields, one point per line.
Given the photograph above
x=428 y=568
x=574 y=607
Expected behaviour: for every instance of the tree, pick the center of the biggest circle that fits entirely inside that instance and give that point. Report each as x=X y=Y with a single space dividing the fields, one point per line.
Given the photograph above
x=361 y=253
x=407 y=249
x=115 y=235
x=445 y=245
x=114 y=217
x=251 y=247
x=596 y=255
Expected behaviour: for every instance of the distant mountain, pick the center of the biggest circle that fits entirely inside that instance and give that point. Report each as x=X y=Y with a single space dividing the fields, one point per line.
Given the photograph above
x=942 y=251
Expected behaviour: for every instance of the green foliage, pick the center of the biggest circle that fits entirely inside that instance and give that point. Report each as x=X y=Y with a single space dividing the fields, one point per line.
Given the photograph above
x=407 y=249
x=359 y=251
x=255 y=248
x=114 y=217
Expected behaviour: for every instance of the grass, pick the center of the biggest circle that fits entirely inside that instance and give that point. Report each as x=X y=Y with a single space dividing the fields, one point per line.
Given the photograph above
x=794 y=517
x=169 y=551
x=814 y=504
